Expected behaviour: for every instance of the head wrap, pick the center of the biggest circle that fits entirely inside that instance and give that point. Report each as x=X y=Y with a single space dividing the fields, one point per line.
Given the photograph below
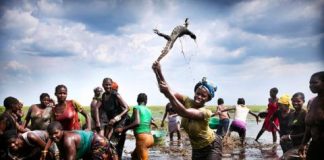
x=209 y=86
x=285 y=99
x=114 y=86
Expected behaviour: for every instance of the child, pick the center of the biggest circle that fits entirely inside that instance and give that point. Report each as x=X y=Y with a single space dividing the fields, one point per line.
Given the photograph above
x=224 y=118
x=239 y=123
x=174 y=121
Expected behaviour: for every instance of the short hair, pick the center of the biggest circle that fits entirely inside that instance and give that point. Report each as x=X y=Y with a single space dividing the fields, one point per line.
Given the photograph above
x=241 y=101
x=9 y=101
x=43 y=95
x=54 y=126
x=142 y=97
x=106 y=79
x=299 y=94
x=59 y=87
x=12 y=133
x=220 y=101
x=274 y=89
x=320 y=75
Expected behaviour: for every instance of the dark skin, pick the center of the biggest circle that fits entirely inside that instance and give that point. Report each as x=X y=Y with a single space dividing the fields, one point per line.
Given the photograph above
x=200 y=98
x=61 y=95
x=67 y=142
x=38 y=109
x=11 y=111
x=135 y=123
x=18 y=145
x=107 y=87
x=297 y=104
x=273 y=98
x=315 y=115
x=253 y=114
x=168 y=111
x=285 y=112
x=94 y=109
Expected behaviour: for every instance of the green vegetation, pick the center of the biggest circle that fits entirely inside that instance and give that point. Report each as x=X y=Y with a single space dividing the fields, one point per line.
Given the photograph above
x=157 y=111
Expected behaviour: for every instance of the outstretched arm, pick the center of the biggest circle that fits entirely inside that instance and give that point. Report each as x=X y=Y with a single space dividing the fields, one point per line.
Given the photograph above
x=165 y=114
x=256 y=116
x=168 y=93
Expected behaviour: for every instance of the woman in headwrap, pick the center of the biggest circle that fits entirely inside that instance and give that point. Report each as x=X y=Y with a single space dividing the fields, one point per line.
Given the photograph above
x=284 y=114
x=315 y=119
x=204 y=142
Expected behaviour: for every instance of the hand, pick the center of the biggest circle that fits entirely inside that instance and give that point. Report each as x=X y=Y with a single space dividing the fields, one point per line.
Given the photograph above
x=112 y=122
x=164 y=88
x=284 y=138
x=162 y=124
x=301 y=151
x=156 y=66
x=119 y=130
x=156 y=31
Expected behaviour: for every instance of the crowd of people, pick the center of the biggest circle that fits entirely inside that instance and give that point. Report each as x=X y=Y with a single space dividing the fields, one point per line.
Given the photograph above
x=53 y=130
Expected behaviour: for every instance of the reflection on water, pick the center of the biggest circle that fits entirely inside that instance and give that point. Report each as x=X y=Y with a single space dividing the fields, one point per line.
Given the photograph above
x=264 y=149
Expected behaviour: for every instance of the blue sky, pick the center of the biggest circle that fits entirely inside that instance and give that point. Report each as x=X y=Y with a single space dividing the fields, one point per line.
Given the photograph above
x=244 y=47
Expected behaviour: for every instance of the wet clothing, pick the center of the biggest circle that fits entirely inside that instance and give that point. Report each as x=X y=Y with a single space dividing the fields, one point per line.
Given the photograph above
x=198 y=130
x=145 y=116
x=10 y=125
x=297 y=127
x=85 y=143
x=284 y=129
x=222 y=128
x=108 y=110
x=69 y=118
x=40 y=121
x=173 y=123
x=91 y=146
x=144 y=141
x=239 y=127
x=213 y=151
x=272 y=108
x=43 y=136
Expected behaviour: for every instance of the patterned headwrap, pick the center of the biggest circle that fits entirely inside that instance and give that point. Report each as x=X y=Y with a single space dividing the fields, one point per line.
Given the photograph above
x=209 y=86
x=285 y=99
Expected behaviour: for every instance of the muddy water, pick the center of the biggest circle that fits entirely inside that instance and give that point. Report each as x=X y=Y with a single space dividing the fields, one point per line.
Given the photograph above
x=264 y=149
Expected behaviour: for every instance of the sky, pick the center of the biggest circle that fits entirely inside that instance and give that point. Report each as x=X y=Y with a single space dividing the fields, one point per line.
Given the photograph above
x=243 y=47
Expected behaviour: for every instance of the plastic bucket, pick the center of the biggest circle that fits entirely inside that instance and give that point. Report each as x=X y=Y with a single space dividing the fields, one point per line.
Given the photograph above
x=159 y=136
x=213 y=122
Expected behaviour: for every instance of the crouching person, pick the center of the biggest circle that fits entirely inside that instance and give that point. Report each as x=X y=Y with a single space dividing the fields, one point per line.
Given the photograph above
x=78 y=144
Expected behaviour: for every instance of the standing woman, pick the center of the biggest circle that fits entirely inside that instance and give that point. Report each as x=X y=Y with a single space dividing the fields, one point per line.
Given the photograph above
x=272 y=108
x=66 y=111
x=115 y=110
x=315 y=120
x=39 y=114
x=284 y=114
x=8 y=121
x=141 y=124
x=205 y=144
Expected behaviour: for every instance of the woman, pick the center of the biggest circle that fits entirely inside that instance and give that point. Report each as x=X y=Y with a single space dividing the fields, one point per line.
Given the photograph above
x=141 y=121
x=223 y=116
x=173 y=122
x=66 y=111
x=113 y=111
x=28 y=145
x=205 y=144
x=96 y=98
x=315 y=120
x=39 y=114
x=8 y=121
x=272 y=107
x=296 y=124
x=284 y=114
x=239 y=123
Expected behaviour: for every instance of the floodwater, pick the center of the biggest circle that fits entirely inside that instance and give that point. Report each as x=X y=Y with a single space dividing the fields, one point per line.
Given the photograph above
x=252 y=150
